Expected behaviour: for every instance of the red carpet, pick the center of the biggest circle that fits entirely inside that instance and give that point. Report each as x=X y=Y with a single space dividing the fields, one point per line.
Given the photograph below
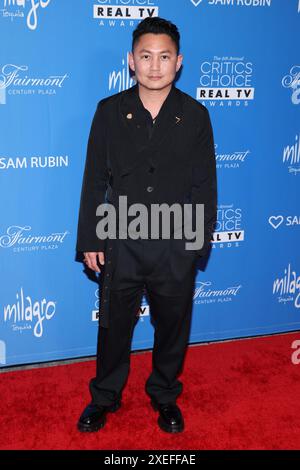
x=237 y=395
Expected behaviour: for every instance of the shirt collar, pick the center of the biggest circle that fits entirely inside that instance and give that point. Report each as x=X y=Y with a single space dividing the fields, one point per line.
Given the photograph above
x=133 y=99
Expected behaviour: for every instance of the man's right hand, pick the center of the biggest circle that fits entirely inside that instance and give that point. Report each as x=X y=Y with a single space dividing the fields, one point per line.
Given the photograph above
x=90 y=259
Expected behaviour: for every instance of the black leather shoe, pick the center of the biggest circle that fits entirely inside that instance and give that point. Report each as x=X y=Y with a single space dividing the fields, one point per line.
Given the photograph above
x=170 y=417
x=93 y=417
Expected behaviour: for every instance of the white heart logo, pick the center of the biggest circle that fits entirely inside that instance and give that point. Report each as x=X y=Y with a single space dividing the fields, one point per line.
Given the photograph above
x=196 y=2
x=275 y=221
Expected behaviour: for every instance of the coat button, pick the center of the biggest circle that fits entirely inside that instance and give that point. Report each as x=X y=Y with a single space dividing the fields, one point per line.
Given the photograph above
x=150 y=189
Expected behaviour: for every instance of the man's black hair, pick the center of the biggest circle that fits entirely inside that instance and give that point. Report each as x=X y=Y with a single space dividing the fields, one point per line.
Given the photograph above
x=156 y=25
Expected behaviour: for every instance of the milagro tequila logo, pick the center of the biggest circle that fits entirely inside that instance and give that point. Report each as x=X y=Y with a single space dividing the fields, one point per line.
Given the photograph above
x=291 y=156
x=27 y=314
x=30 y=8
x=228 y=230
x=19 y=238
x=13 y=81
x=292 y=81
x=287 y=287
x=123 y=12
x=120 y=79
x=204 y=294
x=232 y=3
x=230 y=160
x=226 y=81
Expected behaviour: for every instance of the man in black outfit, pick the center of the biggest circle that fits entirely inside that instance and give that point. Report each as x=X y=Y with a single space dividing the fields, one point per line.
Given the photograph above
x=153 y=144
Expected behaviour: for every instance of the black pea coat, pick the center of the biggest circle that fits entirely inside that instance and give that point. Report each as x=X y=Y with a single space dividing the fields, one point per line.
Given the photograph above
x=176 y=165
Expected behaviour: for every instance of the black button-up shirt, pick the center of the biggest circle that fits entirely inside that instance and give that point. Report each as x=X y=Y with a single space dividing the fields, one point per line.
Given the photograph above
x=146 y=118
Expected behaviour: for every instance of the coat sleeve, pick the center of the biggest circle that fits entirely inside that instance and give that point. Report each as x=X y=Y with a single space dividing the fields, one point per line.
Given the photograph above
x=94 y=186
x=204 y=182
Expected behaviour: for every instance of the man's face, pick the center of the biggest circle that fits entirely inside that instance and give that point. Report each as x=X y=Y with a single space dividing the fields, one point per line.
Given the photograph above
x=155 y=61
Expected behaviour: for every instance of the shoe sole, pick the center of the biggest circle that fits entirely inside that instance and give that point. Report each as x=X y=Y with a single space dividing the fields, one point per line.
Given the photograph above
x=165 y=427
x=100 y=424
x=172 y=429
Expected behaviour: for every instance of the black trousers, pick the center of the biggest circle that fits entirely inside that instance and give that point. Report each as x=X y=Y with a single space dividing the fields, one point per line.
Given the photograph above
x=168 y=277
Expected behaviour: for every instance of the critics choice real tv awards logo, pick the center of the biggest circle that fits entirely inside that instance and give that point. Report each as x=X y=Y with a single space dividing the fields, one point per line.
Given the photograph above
x=143 y=311
x=123 y=12
x=228 y=230
x=226 y=81
x=23 y=9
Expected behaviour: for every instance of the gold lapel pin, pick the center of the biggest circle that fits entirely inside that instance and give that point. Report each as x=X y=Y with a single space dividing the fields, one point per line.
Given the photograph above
x=129 y=116
x=177 y=119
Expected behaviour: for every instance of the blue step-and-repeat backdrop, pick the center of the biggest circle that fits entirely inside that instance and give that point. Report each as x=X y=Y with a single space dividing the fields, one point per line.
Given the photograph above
x=58 y=58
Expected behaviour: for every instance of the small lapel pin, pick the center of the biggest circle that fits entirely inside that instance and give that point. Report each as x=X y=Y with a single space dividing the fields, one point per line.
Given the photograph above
x=129 y=116
x=177 y=119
